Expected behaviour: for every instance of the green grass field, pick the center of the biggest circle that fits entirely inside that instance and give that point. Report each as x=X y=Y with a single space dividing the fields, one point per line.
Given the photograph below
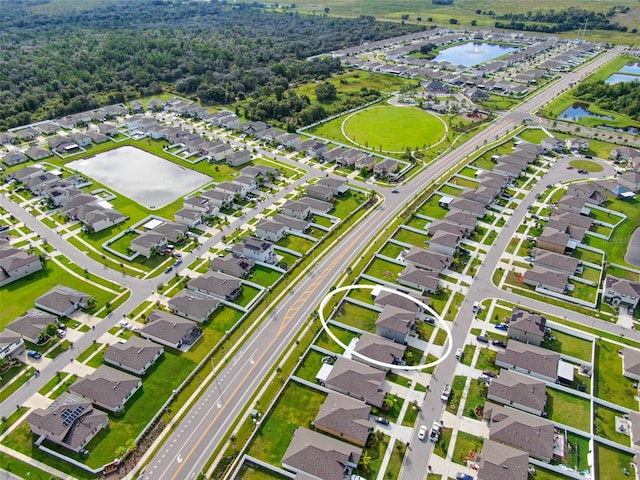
x=394 y=129
x=586 y=165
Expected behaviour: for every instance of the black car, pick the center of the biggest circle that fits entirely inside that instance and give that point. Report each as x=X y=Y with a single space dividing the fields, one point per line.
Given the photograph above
x=582 y=388
x=489 y=373
x=381 y=420
x=482 y=339
x=499 y=343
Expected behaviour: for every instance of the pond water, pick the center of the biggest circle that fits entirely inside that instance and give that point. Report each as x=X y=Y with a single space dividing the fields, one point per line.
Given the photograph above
x=145 y=178
x=633 y=250
x=631 y=130
x=631 y=68
x=621 y=78
x=576 y=112
x=471 y=54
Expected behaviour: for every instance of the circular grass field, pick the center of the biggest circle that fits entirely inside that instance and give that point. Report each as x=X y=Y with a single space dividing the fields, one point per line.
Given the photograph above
x=586 y=165
x=393 y=128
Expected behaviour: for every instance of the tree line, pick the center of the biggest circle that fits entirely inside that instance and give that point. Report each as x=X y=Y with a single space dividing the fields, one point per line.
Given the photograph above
x=623 y=97
x=553 y=21
x=55 y=65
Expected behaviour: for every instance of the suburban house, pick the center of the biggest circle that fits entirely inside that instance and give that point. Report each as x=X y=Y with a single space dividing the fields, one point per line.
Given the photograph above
x=355 y=380
x=591 y=192
x=232 y=189
x=367 y=162
x=170 y=330
x=148 y=243
x=625 y=154
x=385 y=168
x=107 y=387
x=193 y=306
x=201 y=204
x=237 y=158
x=620 y=291
x=136 y=355
x=271 y=230
x=255 y=249
x=569 y=203
x=553 y=240
x=289 y=140
x=319 y=192
x=218 y=285
x=16 y=263
x=461 y=219
x=11 y=345
x=248 y=182
x=38 y=153
x=571 y=220
x=26 y=134
x=467 y=206
x=62 y=301
x=577 y=145
x=502 y=462
x=218 y=198
x=312 y=455
x=552 y=144
x=379 y=349
x=339 y=187
x=31 y=324
x=535 y=435
x=527 y=327
x=426 y=259
x=630 y=180
x=97 y=218
x=188 y=217
x=530 y=360
x=445 y=243
x=631 y=363
x=317 y=206
x=313 y=148
x=542 y=278
x=81 y=139
x=344 y=417
x=292 y=224
x=444 y=226
x=395 y=323
x=14 y=158
x=510 y=170
x=555 y=261
x=8 y=138
x=519 y=391
x=175 y=232
x=483 y=194
x=238 y=267
x=385 y=298
x=422 y=280
x=70 y=421
x=296 y=209
x=25 y=173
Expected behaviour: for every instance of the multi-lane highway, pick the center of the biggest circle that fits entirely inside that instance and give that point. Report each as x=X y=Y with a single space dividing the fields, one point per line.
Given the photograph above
x=191 y=442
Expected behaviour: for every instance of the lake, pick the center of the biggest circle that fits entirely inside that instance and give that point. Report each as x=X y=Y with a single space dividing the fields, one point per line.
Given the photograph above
x=472 y=54
x=620 y=78
x=576 y=112
x=141 y=176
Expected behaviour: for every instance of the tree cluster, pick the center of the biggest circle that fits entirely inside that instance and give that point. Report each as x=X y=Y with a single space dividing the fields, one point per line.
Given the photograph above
x=57 y=64
x=623 y=97
x=558 y=21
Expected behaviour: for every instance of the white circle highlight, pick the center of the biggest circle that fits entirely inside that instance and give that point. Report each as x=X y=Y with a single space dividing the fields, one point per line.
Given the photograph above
x=427 y=308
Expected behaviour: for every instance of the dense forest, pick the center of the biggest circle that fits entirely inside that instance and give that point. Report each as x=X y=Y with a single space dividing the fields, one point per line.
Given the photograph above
x=52 y=66
x=623 y=97
x=560 y=21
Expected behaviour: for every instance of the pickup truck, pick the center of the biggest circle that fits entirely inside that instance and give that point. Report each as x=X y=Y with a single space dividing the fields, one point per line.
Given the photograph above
x=446 y=391
x=434 y=434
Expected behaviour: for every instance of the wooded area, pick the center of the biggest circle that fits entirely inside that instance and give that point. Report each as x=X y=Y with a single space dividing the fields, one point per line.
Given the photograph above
x=561 y=21
x=51 y=66
x=623 y=97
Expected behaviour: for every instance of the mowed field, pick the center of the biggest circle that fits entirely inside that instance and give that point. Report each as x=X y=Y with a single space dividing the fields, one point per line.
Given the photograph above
x=394 y=129
x=465 y=12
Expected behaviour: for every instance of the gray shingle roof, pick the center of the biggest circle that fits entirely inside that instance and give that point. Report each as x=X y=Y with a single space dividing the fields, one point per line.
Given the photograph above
x=520 y=389
x=345 y=415
x=107 y=386
x=135 y=353
x=360 y=381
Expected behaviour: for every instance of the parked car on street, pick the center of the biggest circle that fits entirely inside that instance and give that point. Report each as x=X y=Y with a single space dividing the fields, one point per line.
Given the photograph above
x=422 y=433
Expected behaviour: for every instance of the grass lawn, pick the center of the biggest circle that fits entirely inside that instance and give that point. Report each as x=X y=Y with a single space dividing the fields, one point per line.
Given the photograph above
x=410 y=415
x=375 y=451
x=395 y=462
x=533 y=135
x=476 y=397
x=578 y=451
x=398 y=379
x=610 y=384
x=24 y=291
x=568 y=409
x=457 y=388
x=586 y=165
x=611 y=463
x=264 y=276
x=59 y=348
x=605 y=425
x=255 y=472
x=383 y=269
x=293 y=242
x=297 y=406
x=569 y=345
x=310 y=366
x=25 y=470
x=486 y=360
x=345 y=336
x=63 y=388
x=465 y=444
x=357 y=316
x=430 y=208
x=413 y=238
x=247 y=295
x=17 y=383
x=348 y=203
x=391 y=250
x=442 y=445
x=370 y=127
